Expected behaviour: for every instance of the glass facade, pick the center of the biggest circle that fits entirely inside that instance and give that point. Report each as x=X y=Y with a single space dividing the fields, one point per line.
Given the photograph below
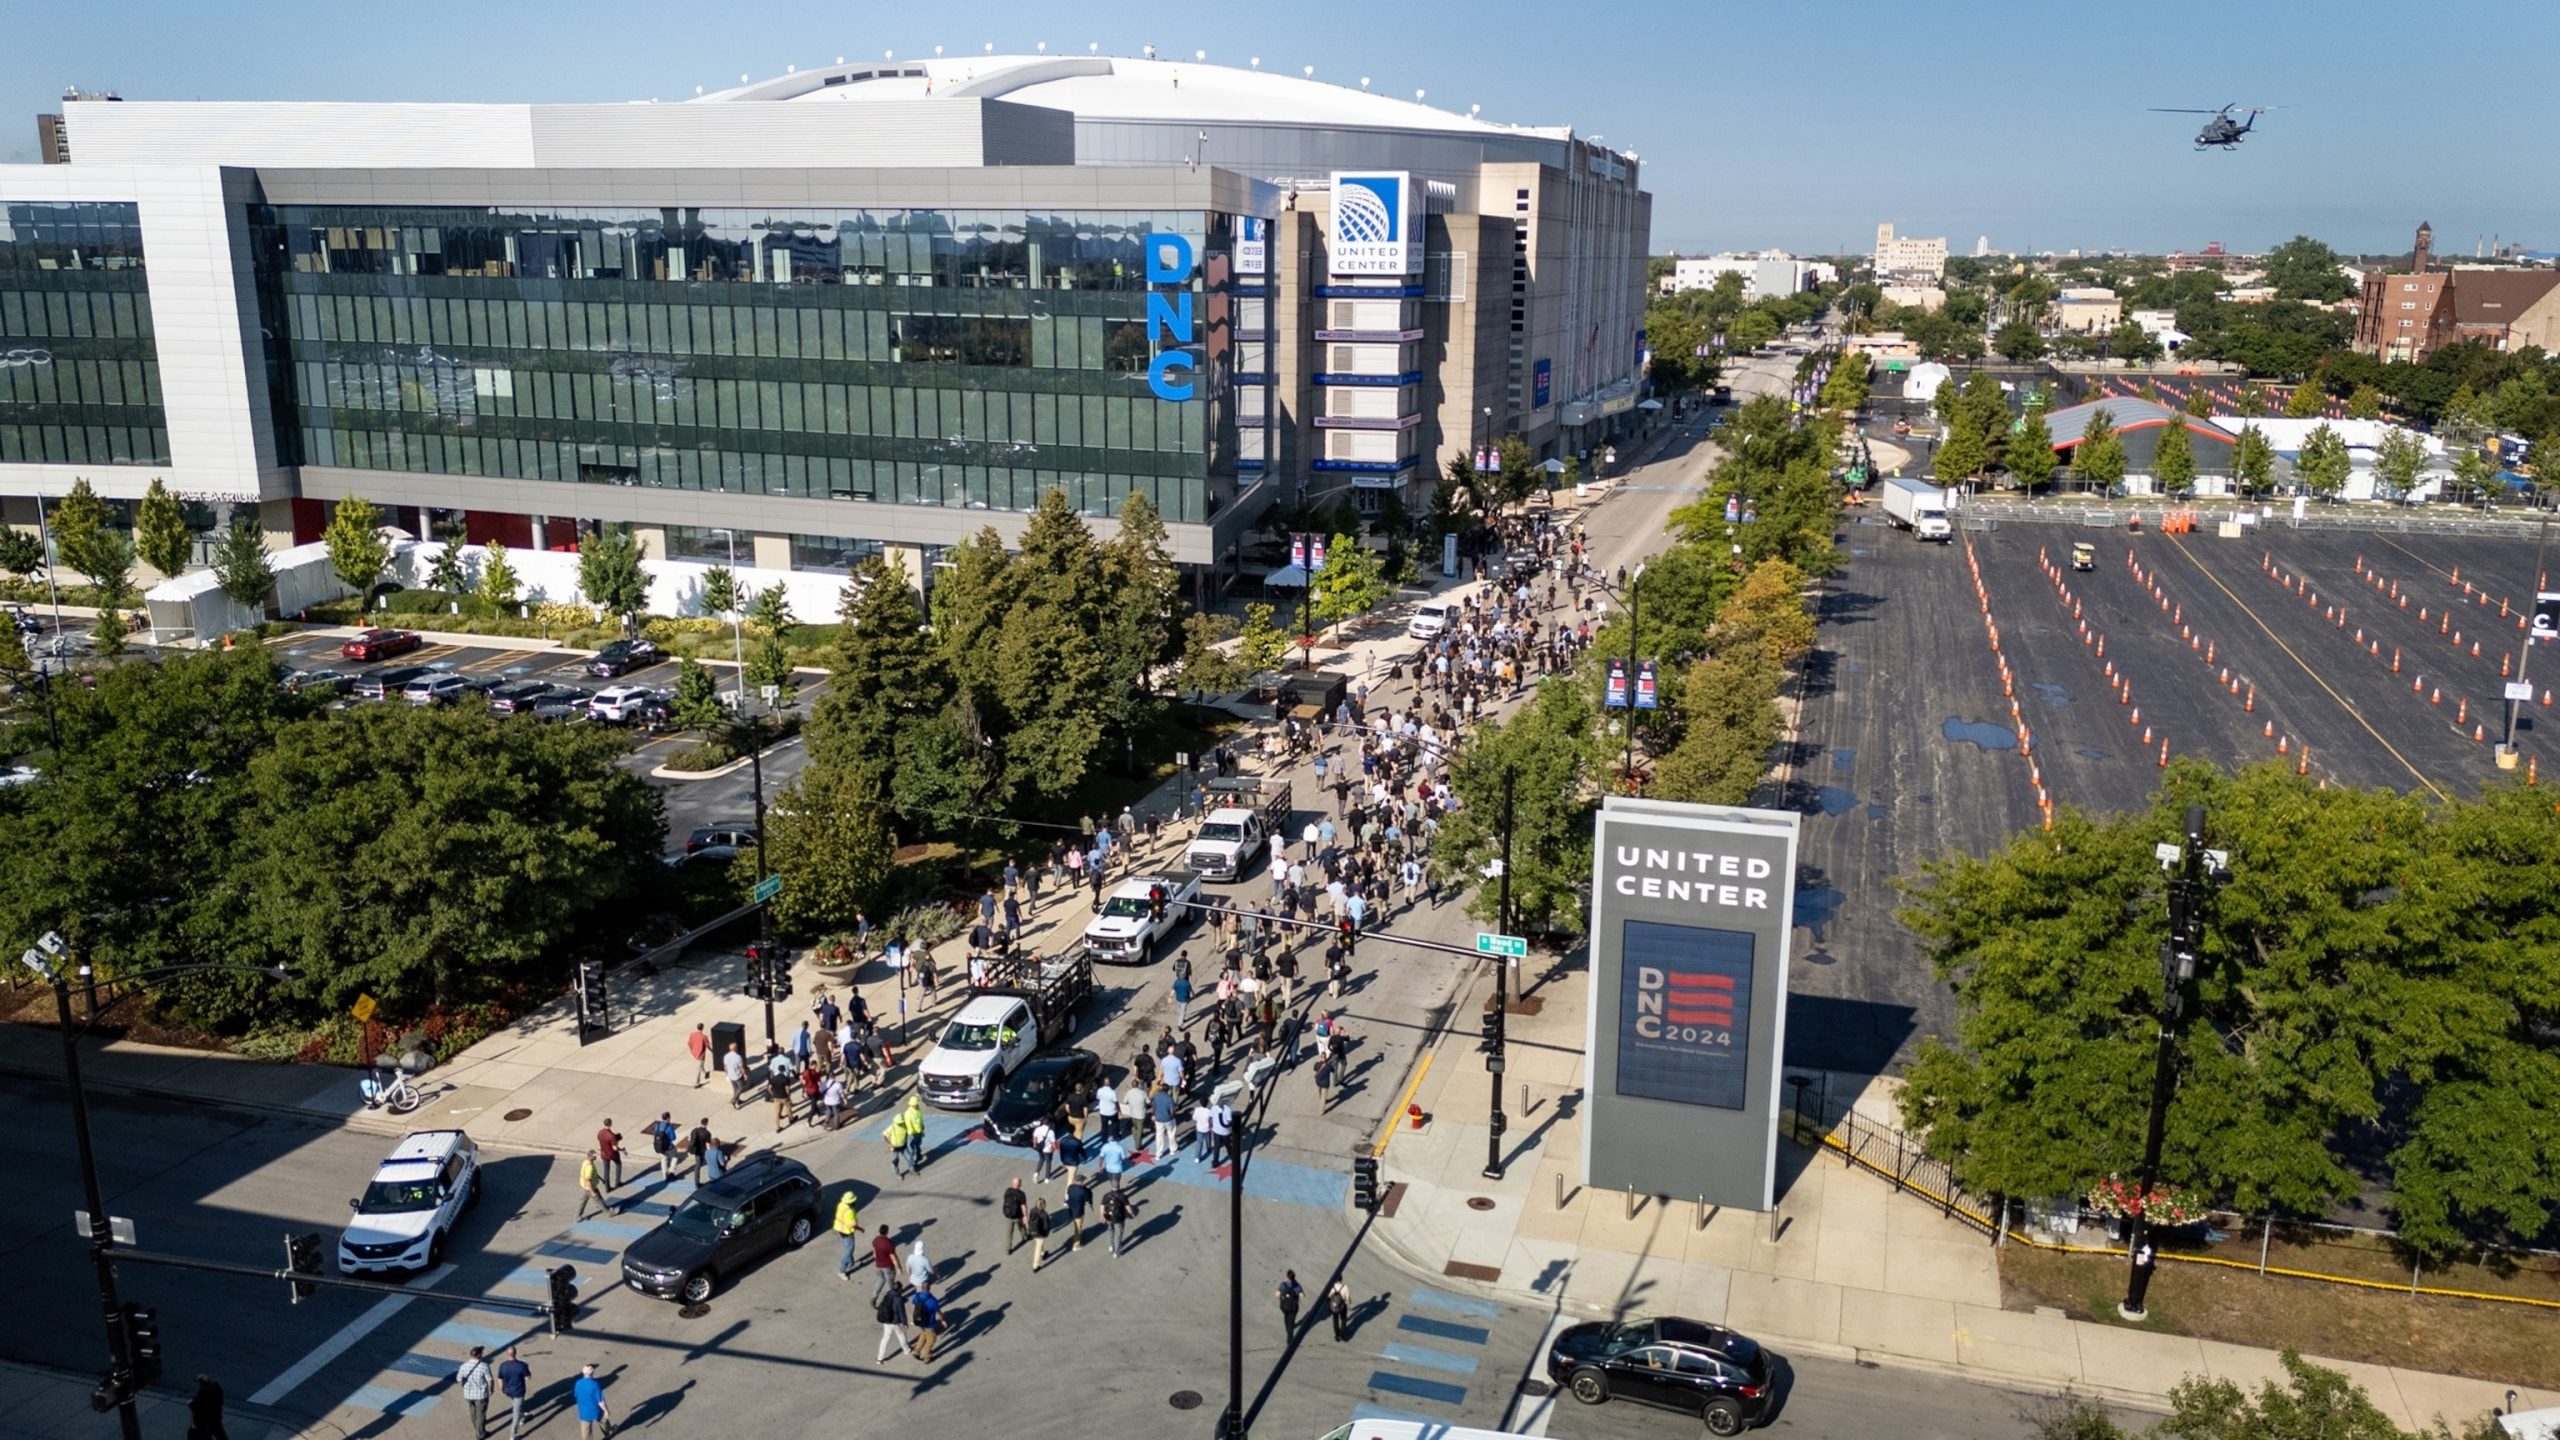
x=79 y=375
x=972 y=359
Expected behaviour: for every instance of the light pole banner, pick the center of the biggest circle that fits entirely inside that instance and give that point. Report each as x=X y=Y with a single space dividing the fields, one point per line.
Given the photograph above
x=1646 y=698
x=1692 y=912
x=1615 y=697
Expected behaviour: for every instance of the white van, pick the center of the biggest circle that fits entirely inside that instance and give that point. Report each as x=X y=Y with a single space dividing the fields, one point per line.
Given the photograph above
x=1428 y=621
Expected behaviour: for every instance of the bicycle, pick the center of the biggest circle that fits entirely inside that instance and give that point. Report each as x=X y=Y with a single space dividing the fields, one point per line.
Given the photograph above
x=399 y=1097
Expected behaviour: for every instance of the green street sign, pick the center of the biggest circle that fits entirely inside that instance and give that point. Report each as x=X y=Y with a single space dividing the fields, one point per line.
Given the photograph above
x=1511 y=945
x=768 y=887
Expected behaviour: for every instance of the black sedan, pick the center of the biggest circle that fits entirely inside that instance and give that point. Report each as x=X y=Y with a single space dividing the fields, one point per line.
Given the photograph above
x=622 y=657
x=1037 y=1088
x=1687 y=1365
x=518 y=697
x=768 y=1203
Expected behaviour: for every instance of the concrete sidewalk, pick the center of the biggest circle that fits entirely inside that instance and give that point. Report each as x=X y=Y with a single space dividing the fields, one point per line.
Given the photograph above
x=1846 y=1267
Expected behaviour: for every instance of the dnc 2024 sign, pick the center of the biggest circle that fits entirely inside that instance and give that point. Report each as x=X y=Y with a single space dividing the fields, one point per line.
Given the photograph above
x=1374 y=225
x=1172 y=328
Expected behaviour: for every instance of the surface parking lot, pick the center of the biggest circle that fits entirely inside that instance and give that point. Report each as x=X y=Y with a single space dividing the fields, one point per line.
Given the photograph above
x=1907 y=746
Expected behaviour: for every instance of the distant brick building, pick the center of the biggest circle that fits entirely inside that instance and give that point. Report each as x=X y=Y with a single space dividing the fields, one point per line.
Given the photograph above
x=2409 y=315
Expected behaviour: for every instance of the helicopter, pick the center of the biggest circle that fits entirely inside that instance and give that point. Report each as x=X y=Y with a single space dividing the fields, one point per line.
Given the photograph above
x=2221 y=132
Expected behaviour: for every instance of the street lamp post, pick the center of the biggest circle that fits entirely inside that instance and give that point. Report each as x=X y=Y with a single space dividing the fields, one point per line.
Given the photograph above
x=2524 y=647
x=1496 y=1029
x=2196 y=867
x=46 y=961
x=752 y=728
x=1635 y=611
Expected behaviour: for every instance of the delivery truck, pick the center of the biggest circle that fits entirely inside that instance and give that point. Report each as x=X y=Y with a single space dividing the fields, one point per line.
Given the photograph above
x=1919 y=507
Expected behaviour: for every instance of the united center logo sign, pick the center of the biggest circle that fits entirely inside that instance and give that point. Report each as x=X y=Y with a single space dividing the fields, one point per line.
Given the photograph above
x=1373 y=224
x=1684 y=1014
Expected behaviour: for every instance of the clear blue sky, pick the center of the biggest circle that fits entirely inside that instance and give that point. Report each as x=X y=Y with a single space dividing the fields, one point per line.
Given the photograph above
x=1798 y=123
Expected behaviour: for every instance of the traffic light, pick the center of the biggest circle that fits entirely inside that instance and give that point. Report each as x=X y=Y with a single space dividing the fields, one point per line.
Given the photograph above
x=142 y=1343
x=759 y=987
x=1155 y=903
x=1492 y=1031
x=591 y=994
x=302 y=1257
x=1350 y=936
x=777 y=972
x=564 y=1299
x=1364 y=1182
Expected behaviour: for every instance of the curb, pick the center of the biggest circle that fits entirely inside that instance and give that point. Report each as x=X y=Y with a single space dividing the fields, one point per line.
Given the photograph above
x=733 y=767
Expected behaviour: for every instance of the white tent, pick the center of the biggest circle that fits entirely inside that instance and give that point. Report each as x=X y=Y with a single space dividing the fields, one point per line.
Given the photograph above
x=192 y=607
x=1920 y=386
x=1287 y=577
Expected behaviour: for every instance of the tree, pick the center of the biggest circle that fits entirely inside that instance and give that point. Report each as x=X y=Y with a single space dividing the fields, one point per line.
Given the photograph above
x=2475 y=472
x=2304 y=269
x=2323 y=463
x=2398 y=459
x=2305 y=403
x=21 y=551
x=611 y=575
x=1846 y=390
x=887 y=673
x=1963 y=454
x=87 y=541
x=2098 y=461
x=241 y=567
x=445 y=571
x=357 y=552
x=2199 y=403
x=2173 y=463
x=2364 y=403
x=697 y=700
x=720 y=591
x=769 y=663
x=1352 y=582
x=2251 y=402
x=107 y=634
x=970 y=601
x=1730 y=723
x=14 y=664
x=1750 y=330
x=2031 y=458
x=2019 y=342
x=2131 y=343
x=2253 y=461
x=1544 y=756
x=1140 y=629
x=2313 y=1403
x=828 y=837
x=1261 y=644
x=162 y=536
x=1050 y=658
x=1209 y=665
x=499 y=585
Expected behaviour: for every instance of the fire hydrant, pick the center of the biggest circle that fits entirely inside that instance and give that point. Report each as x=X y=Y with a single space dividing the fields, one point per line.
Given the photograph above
x=1414 y=1114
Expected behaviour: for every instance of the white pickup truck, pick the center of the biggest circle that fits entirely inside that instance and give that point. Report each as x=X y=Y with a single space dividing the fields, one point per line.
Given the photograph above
x=1128 y=927
x=1239 y=829
x=1001 y=1027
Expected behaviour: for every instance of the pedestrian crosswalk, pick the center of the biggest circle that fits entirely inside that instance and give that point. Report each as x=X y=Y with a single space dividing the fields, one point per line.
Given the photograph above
x=1434 y=1353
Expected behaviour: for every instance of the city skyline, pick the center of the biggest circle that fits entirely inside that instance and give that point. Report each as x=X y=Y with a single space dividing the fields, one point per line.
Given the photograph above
x=1756 y=153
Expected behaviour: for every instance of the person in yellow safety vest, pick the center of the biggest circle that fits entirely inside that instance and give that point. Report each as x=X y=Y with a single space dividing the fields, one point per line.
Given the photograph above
x=848 y=1225
x=896 y=1135
x=914 y=1117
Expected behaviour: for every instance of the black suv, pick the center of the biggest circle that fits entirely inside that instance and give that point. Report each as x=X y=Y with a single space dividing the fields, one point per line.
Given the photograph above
x=624 y=656
x=1719 y=1375
x=768 y=1203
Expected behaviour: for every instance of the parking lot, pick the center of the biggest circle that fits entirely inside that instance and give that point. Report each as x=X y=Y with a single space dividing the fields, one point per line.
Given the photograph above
x=2238 y=651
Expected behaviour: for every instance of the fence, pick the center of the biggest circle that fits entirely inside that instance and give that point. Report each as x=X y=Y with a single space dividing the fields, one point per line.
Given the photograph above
x=2271 y=1246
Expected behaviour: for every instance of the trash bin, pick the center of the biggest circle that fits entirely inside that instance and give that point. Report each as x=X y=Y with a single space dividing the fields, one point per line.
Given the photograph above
x=724 y=1034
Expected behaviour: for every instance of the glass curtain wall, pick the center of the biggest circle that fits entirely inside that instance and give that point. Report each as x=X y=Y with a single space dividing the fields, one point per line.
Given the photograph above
x=79 y=374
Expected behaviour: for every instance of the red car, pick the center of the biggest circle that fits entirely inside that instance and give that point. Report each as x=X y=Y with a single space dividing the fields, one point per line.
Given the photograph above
x=380 y=644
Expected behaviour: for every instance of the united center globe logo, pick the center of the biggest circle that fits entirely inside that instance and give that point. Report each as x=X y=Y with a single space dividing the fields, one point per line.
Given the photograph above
x=1362 y=213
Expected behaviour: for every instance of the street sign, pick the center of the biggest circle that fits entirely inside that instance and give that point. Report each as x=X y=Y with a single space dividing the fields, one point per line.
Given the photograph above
x=119 y=1229
x=363 y=1008
x=1513 y=946
x=49 y=943
x=768 y=887
x=2520 y=690
x=769 y=693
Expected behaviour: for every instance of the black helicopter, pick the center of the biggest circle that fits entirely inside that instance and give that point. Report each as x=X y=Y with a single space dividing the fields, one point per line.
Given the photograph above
x=2221 y=132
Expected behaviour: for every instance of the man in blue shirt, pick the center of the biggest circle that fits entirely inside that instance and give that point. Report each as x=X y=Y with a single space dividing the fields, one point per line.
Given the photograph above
x=514 y=1378
x=595 y=1418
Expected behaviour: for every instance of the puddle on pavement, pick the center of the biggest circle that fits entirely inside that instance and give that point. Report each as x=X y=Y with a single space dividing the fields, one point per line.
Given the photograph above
x=2047 y=690
x=2086 y=753
x=1854 y=550
x=1875 y=812
x=1816 y=905
x=1979 y=733
x=1834 y=800
x=1842 y=758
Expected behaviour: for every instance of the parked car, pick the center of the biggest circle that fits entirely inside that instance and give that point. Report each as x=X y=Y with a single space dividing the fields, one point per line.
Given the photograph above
x=1035 y=1089
x=404 y=1219
x=768 y=1203
x=626 y=704
x=519 y=697
x=13 y=776
x=319 y=682
x=26 y=621
x=624 y=656
x=436 y=688
x=725 y=838
x=378 y=644
x=379 y=683
x=1719 y=1375
x=565 y=702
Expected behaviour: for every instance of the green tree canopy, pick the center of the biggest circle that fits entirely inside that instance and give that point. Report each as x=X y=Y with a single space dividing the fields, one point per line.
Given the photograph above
x=2253 y=461
x=162 y=536
x=2398 y=459
x=2099 y=459
x=887 y=673
x=611 y=576
x=2019 y=341
x=697 y=699
x=1261 y=644
x=2130 y=342
x=769 y=662
x=827 y=835
x=500 y=587
x=1545 y=753
x=2031 y=458
x=357 y=552
x=2173 y=463
x=2364 y=403
x=21 y=551
x=2305 y=403
x=2304 y=269
x=2323 y=462
x=241 y=566
x=88 y=540
x=1352 y=582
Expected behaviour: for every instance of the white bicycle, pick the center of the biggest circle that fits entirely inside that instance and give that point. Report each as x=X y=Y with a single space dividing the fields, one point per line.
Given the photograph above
x=399 y=1096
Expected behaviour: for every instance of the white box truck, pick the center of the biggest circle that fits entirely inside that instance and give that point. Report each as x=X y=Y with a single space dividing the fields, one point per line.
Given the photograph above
x=1919 y=507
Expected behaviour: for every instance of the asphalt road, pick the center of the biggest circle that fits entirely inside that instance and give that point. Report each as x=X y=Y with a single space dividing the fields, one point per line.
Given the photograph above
x=1836 y=1400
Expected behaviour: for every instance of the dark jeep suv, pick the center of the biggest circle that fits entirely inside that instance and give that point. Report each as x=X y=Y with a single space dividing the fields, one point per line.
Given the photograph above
x=768 y=1203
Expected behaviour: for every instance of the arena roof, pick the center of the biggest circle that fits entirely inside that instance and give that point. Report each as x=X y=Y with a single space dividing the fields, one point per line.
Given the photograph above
x=1112 y=87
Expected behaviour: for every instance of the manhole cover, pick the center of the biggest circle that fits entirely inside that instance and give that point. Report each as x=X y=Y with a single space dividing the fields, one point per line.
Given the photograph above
x=519 y=1113
x=1535 y=1388
x=1479 y=1202
x=1185 y=1400
x=693 y=1312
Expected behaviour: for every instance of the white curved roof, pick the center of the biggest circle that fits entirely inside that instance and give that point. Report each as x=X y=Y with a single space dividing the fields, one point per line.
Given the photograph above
x=1113 y=87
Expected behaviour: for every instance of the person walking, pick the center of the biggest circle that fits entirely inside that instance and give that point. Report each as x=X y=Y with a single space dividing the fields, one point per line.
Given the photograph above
x=1013 y=1205
x=734 y=1065
x=1035 y=1223
x=780 y=1084
x=1114 y=1159
x=699 y=1144
x=1337 y=1303
x=1106 y=1111
x=1182 y=999
x=609 y=1155
x=204 y=1411
x=1133 y=1114
x=591 y=1187
x=890 y=1309
x=1165 y=1146
x=475 y=1378
x=926 y=1311
x=831 y=1100
x=919 y=1265
x=1204 y=1123
x=595 y=1417
x=663 y=1136
x=1079 y=1197
x=1289 y=1294
x=1044 y=1149
x=1115 y=1213
x=915 y=1133
x=848 y=1228
x=896 y=1135
x=884 y=1262
x=515 y=1382
x=1222 y=1126
x=698 y=1045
